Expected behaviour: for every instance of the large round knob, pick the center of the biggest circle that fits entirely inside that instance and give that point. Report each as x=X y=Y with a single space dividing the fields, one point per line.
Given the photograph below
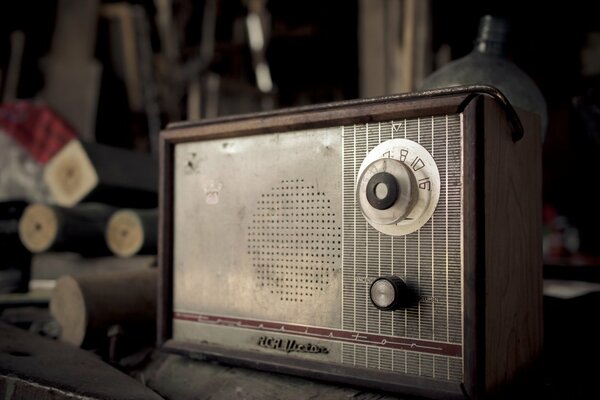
x=389 y=293
x=398 y=187
x=386 y=192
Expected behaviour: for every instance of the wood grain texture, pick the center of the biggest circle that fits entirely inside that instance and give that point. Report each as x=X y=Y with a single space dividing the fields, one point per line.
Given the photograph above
x=474 y=271
x=513 y=247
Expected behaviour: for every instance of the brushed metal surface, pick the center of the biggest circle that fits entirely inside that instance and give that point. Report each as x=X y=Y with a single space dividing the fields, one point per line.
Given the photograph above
x=258 y=227
x=269 y=240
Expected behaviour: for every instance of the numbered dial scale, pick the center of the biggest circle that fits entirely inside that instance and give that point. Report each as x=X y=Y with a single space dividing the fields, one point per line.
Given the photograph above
x=355 y=242
x=398 y=187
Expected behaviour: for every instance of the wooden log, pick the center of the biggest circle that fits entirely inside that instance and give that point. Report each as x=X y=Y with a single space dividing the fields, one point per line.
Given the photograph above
x=130 y=232
x=87 y=305
x=15 y=262
x=80 y=229
x=104 y=174
x=10 y=213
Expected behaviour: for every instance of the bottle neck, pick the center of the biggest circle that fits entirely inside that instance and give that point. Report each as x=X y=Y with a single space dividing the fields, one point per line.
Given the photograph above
x=492 y=36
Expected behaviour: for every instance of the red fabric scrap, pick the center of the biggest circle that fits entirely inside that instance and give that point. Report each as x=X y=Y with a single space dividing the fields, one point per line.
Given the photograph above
x=36 y=127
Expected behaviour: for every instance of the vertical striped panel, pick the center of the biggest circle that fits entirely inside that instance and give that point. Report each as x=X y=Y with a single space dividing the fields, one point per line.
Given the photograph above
x=429 y=260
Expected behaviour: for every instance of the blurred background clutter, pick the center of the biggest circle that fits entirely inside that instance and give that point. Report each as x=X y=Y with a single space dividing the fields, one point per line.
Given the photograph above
x=86 y=86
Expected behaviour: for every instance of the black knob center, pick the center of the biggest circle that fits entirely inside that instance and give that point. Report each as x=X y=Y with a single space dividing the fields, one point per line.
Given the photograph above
x=382 y=190
x=389 y=293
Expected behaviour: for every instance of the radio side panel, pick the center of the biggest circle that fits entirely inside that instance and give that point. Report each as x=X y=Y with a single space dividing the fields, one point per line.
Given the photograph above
x=513 y=248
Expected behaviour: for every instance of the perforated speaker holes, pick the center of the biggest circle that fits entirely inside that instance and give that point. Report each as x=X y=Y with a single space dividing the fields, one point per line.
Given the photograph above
x=295 y=241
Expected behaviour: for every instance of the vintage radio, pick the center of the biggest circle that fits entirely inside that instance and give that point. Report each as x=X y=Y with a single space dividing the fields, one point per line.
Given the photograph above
x=393 y=243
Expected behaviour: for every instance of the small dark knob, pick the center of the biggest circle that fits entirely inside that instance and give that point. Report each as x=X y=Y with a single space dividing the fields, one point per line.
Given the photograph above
x=390 y=293
x=382 y=190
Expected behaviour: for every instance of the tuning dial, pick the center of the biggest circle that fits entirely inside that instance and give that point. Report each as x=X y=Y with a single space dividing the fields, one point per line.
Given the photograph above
x=398 y=187
x=389 y=293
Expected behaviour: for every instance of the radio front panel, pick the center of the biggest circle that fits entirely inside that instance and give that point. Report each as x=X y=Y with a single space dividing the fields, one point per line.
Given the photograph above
x=344 y=248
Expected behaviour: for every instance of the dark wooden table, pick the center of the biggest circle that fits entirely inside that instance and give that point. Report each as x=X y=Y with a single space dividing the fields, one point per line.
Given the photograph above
x=32 y=366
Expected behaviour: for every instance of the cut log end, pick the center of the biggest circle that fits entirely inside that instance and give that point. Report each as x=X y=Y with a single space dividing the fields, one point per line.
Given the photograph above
x=86 y=305
x=125 y=233
x=67 y=306
x=70 y=175
x=38 y=227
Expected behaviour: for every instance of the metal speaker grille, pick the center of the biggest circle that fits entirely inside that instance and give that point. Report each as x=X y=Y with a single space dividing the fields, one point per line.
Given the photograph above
x=295 y=241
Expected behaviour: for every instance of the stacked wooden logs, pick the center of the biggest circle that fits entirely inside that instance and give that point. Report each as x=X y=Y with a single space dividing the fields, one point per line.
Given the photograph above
x=90 y=229
x=103 y=208
x=89 y=304
x=97 y=213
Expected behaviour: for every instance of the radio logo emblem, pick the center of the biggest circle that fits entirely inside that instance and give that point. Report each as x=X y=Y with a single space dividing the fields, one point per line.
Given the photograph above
x=291 y=346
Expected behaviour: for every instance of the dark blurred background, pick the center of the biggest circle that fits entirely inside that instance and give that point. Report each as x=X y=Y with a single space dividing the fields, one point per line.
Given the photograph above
x=148 y=63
